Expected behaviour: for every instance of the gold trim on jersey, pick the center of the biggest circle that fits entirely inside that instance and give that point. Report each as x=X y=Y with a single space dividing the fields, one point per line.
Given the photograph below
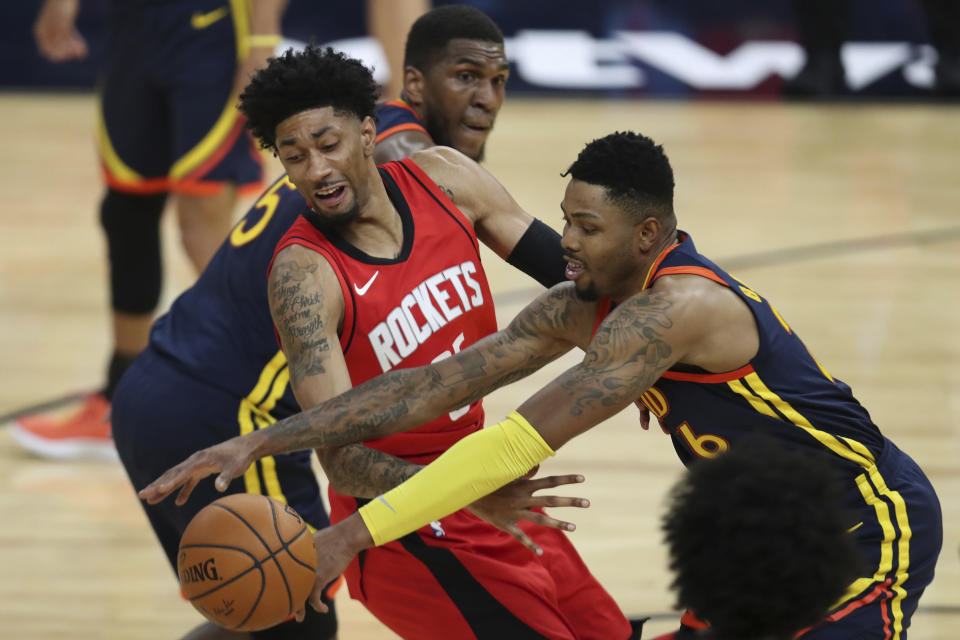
x=108 y=155
x=240 y=12
x=254 y=413
x=871 y=485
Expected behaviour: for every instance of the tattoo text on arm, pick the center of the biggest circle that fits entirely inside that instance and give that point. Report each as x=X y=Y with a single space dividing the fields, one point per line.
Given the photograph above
x=405 y=398
x=297 y=314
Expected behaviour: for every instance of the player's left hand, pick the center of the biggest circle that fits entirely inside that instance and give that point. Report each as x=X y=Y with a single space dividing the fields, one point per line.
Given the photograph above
x=230 y=458
x=336 y=546
x=513 y=502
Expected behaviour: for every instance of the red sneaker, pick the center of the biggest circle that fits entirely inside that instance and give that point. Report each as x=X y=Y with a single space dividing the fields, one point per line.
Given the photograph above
x=83 y=434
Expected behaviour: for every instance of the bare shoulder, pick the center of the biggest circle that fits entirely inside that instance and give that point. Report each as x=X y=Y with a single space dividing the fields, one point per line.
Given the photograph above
x=441 y=159
x=698 y=297
x=448 y=167
x=302 y=281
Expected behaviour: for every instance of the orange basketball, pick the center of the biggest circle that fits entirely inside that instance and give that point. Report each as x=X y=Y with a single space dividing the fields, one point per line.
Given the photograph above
x=247 y=562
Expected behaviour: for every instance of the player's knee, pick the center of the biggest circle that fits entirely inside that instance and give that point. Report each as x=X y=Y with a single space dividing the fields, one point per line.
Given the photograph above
x=315 y=626
x=132 y=226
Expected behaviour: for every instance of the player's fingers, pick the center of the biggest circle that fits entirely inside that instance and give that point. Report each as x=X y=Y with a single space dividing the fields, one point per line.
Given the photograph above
x=544 y=520
x=524 y=539
x=223 y=481
x=159 y=488
x=186 y=491
x=644 y=414
x=554 y=481
x=300 y=614
x=316 y=599
x=559 y=501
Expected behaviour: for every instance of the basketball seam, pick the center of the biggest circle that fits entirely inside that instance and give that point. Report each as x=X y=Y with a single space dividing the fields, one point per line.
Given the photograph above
x=283 y=546
x=271 y=555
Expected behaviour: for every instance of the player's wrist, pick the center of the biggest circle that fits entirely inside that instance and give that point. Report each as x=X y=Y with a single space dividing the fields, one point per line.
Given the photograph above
x=259 y=445
x=355 y=534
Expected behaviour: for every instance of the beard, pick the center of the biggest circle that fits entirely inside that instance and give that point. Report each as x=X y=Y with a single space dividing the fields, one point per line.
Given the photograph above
x=345 y=218
x=588 y=294
x=336 y=219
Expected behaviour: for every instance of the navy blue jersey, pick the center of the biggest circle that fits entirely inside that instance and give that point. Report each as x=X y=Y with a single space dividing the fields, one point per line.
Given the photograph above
x=782 y=392
x=396 y=116
x=785 y=393
x=220 y=330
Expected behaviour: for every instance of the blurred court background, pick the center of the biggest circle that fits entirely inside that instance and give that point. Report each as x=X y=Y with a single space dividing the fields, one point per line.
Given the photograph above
x=844 y=212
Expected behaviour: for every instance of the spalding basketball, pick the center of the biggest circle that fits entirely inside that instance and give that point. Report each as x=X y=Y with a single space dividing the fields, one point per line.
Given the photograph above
x=247 y=562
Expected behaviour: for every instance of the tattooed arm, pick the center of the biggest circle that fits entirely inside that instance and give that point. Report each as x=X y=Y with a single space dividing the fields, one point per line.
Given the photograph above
x=500 y=222
x=307 y=307
x=399 y=400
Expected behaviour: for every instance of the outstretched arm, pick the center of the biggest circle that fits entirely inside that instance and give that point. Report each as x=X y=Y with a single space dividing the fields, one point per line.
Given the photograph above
x=503 y=225
x=399 y=400
x=631 y=349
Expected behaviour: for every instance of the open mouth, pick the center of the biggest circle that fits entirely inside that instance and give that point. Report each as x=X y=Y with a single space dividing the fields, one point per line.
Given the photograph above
x=574 y=269
x=331 y=195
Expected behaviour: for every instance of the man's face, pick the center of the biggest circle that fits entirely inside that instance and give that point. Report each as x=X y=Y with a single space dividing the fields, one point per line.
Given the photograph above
x=598 y=241
x=462 y=93
x=326 y=157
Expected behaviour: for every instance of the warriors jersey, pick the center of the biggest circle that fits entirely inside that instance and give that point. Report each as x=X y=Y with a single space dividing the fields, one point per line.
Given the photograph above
x=782 y=392
x=424 y=305
x=396 y=116
x=220 y=330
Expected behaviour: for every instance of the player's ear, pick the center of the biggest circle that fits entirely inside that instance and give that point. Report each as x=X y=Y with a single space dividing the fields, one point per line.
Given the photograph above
x=413 y=82
x=645 y=235
x=368 y=135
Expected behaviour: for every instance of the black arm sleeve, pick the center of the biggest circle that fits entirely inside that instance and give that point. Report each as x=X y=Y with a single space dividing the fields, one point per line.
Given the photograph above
x=538 y=254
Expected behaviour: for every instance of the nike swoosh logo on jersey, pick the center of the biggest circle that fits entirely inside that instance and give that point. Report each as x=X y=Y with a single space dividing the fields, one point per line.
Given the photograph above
x=362 y=290
x=203 y=20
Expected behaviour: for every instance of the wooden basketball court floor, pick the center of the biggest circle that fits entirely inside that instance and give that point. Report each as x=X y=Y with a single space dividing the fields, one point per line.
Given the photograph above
x=847 y=216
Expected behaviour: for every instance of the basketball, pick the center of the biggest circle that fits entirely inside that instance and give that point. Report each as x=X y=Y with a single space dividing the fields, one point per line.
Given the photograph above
x=247 y=562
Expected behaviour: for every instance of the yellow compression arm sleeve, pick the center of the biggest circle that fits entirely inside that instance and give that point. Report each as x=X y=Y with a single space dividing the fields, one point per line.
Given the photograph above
x=475 y=466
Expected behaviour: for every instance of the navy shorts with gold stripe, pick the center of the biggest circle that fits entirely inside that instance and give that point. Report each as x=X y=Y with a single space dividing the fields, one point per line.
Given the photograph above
x=168 y=119
x=900 y=536
x=160 y=416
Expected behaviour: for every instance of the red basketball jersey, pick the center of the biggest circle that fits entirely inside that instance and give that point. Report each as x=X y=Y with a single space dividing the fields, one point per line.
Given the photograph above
x=427 y=304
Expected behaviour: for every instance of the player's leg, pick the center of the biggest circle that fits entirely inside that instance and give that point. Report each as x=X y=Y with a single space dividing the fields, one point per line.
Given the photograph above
x=591 y=610
x=204 y=222
x=902 y=546
x=475 y=581
x=214 y=155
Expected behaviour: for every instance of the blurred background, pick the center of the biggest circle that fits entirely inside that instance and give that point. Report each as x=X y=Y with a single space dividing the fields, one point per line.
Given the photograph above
x=602 y=48
x=837 y=196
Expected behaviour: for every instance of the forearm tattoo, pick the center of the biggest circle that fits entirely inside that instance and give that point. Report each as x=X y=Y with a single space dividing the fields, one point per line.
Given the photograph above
x=627 y=355
x=297 y=314
x=357 y=470
x=406 y=398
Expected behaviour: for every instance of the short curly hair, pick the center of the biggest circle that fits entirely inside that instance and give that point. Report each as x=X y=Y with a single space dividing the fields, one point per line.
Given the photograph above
x=433 y=30
x=758 y=541
x=633 y=169
x=308 y=79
